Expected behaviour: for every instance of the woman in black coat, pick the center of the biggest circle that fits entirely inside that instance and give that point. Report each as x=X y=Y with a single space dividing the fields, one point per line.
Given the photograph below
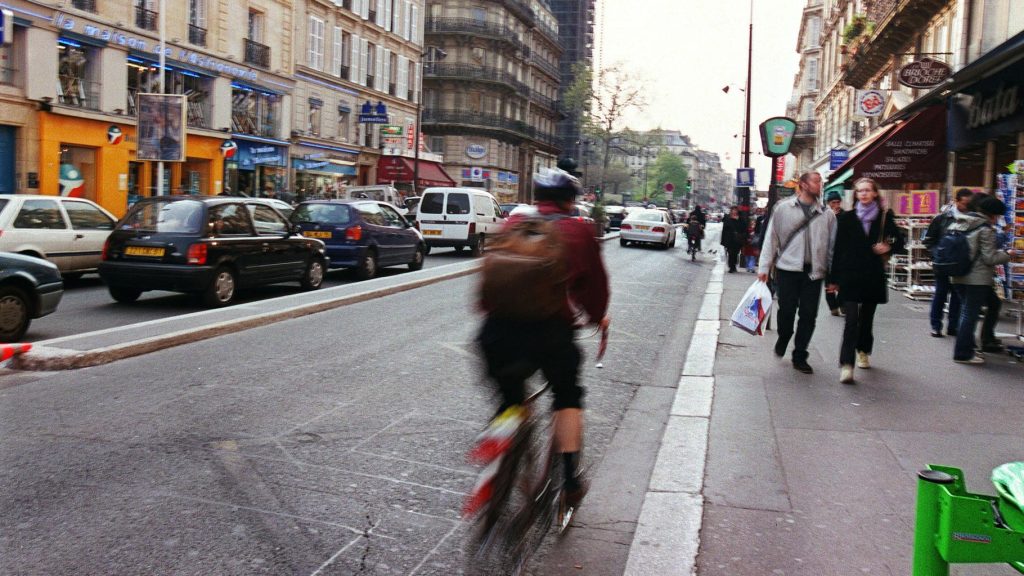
x=733 y=236
x=864 y=238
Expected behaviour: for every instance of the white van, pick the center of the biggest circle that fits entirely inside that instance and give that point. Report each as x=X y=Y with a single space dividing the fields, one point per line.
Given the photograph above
x=458 y=217
x=378 y=192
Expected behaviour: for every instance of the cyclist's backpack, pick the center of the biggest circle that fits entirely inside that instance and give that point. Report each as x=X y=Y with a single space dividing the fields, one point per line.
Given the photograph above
x=524 y=275
x=953 y=253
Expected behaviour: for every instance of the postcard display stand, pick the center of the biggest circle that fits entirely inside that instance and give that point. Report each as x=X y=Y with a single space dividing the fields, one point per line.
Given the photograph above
x=1011 y=188
x=912 y=272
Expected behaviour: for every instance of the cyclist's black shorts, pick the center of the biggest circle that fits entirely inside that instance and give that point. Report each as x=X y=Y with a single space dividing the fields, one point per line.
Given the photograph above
x=514 y=351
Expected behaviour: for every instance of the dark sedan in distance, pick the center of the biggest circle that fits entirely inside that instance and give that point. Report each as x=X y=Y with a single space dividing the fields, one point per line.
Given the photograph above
x=207 y=245
x=364 y=235
x=29 y=288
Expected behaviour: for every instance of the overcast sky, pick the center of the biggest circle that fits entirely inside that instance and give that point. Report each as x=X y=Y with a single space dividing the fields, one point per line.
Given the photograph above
x=686 y=51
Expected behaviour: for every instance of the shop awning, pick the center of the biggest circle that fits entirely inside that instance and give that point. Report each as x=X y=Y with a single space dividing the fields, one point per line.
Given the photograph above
x=324 y=167
x=400 y=169
x=912 y=151
x=838 y=180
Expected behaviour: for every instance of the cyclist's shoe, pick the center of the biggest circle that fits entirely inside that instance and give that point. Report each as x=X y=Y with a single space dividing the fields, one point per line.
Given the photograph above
x=573 y=497
x=497 y=437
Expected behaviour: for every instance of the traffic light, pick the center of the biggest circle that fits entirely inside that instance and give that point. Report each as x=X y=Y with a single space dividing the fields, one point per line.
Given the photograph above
x=689 y=184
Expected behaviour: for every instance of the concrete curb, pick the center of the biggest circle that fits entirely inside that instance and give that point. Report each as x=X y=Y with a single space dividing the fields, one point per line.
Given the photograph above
x=667 y=537
x=46 y=358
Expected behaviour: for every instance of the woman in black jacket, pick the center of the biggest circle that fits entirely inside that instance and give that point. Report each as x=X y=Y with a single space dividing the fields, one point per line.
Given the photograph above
x=733 y=236
x=864 y=237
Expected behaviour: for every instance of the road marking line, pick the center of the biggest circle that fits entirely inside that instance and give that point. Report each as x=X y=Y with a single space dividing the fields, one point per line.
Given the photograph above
x=433 y=550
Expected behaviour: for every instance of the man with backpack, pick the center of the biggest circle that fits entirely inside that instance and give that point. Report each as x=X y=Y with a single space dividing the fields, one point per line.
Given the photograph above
x=969 y=254
x=544 y=270
x=936 y=230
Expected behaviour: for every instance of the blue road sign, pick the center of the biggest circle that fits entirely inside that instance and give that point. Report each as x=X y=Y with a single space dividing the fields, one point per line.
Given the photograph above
x=836 y=157
x=745 y=177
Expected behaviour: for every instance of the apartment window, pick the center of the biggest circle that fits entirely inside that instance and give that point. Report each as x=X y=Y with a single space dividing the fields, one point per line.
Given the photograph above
x=371 y=64
x=75 y=73
x=811 y=74
x=256 y=20
x=337 y=51
x=392 y=73
x=143 y=76
x=316 y=106
x=315 y=57
x=477 y=13
x=88 y=5
x=344 y=122
x=146 y=16
x=8 y=71
x=436 y=144
x=254 y=111
x=197 y=22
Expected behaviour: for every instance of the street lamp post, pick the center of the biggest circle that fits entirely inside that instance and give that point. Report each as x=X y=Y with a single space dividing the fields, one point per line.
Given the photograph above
x=434 y=54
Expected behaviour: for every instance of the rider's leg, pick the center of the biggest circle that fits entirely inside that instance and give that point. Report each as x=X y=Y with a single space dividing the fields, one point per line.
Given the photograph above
x=569 y=429
x=560 y=365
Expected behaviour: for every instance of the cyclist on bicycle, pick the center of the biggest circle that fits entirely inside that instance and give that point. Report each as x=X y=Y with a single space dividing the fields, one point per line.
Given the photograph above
x=694 y=232
x=514 y=349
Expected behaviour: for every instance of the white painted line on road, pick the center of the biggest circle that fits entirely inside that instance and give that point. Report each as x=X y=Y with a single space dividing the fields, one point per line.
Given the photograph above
x=667 y=536
x=335 y=556
x=433 y=550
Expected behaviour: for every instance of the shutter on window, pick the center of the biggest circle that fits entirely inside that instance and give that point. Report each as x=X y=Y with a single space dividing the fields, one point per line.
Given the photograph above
x=396 y=16
x=408 y=20
x=387 y=70
x=402 y=83
x=379 y=81
x=353 y=65
x=388 y=24
x=365 y=9
x=364 y=60
x=380 y=13
x=415 y=34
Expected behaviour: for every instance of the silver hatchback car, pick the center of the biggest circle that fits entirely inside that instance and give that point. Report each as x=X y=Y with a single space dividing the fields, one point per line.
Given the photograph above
x=69 y=232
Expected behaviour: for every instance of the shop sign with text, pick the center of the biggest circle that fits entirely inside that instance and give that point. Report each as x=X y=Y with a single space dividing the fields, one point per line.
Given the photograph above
x=924 y=73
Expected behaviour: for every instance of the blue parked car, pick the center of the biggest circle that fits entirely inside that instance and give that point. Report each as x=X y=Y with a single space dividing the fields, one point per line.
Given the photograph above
x=365 y=235
x=29 y=288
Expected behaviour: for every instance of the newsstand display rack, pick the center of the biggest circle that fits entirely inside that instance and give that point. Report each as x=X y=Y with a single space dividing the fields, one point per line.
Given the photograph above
x=1011 y=187
x=911 y=273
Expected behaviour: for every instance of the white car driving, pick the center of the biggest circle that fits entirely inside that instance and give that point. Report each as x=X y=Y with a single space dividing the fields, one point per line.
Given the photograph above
x=648 y=226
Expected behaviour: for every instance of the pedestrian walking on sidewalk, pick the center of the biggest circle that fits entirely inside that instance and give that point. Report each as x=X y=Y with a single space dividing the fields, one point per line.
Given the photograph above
x=975 y=287
x=734 y=236
x=798 y=247
x=864 y=240
x=943 y=287
x=835 y=203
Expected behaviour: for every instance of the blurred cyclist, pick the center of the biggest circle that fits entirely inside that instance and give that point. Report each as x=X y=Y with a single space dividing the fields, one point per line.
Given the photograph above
x=515 y=349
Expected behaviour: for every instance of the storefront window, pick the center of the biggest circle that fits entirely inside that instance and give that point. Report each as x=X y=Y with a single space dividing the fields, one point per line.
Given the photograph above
x=254 y=112
x=144 y=76
x=77 y=172
x=75 y=73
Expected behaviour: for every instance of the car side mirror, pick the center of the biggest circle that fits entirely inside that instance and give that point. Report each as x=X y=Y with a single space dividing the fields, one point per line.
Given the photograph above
x=504 y=213
x=295 y=229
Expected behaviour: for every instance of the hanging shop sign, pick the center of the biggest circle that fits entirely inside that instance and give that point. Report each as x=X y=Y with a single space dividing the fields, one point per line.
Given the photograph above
x=777 y=135
x=373 y=114
x=989 y=109
x=114 y=135
x=837 y=157
x=391 y=131
x=870 y=103
x=924 y=73
x=228 y=149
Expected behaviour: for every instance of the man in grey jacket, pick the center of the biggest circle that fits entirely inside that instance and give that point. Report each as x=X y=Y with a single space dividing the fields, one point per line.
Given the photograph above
x=799 y=241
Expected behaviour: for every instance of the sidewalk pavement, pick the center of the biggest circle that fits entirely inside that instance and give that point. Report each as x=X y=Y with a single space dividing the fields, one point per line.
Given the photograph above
x=807 y=476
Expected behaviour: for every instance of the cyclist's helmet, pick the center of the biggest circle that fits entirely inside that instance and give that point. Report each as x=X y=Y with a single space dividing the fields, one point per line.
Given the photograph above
x=555 y=184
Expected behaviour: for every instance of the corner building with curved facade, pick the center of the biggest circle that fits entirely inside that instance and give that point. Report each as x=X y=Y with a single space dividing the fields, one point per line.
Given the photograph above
x=490 y=88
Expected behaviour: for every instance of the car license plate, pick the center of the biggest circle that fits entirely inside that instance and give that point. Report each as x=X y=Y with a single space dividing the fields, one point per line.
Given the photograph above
x=643 y=228
x=143 y=251
x=431 y=232
x=316 y=234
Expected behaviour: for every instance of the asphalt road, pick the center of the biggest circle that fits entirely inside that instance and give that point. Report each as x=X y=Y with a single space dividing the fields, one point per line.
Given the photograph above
x=87 y=306
x=329 y=444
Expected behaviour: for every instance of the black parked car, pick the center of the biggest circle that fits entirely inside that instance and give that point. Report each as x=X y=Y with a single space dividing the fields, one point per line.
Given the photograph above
x=361 y=234
x=207 y=245
x=29 y=288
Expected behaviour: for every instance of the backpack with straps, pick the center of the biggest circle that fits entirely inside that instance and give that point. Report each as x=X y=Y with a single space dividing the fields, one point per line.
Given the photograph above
x=524 y=275
x=953 y=253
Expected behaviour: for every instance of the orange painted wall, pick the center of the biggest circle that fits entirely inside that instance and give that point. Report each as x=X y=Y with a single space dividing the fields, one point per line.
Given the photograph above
x=112 y=160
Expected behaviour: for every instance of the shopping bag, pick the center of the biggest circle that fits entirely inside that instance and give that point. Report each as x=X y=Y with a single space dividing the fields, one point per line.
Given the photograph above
x=753 y=308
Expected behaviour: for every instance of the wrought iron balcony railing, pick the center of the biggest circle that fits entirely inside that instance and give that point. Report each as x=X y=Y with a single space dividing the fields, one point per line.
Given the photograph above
x=551 y=69
x=256 y=53
x=196 y=35
x=146 y=19
x=804 y=128
x=471 y=72
x=483 y=120
x=476 y=27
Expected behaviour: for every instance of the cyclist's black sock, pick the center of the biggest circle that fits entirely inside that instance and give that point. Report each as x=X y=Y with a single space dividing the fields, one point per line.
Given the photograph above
x=570 y=462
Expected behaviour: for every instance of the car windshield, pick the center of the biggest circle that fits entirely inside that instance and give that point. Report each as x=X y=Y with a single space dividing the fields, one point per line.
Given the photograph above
x=335 y=214
x=171 y=216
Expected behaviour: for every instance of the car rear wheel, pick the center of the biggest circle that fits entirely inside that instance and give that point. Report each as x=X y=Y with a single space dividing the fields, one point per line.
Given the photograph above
x=477 y=248
x=417 y=259
x=623 y=242
x=222 y=290
x=15 y=313
x=124 y=294
x=313 y=278
x=367 y=266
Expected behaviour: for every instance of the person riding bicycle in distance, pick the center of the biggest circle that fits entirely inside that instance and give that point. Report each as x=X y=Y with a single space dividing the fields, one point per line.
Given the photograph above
x=514 y=348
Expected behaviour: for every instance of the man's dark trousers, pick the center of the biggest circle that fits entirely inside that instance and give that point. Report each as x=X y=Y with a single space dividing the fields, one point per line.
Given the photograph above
x=797 y=292
x=943 y=286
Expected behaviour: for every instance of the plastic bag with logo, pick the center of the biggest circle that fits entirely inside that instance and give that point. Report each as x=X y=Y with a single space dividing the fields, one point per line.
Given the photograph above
x=752 y=310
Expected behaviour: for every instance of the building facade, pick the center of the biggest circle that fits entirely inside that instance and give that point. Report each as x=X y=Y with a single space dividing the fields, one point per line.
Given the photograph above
x=806 y=87
x=490 y=88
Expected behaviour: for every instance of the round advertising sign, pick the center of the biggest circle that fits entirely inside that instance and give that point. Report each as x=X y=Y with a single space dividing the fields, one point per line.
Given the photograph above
x=924 y=73
x=669 y=186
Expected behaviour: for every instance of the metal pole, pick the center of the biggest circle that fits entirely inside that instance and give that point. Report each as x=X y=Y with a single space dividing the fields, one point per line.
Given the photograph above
x=750 y=63
x=163 y=61
x=419 y=118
